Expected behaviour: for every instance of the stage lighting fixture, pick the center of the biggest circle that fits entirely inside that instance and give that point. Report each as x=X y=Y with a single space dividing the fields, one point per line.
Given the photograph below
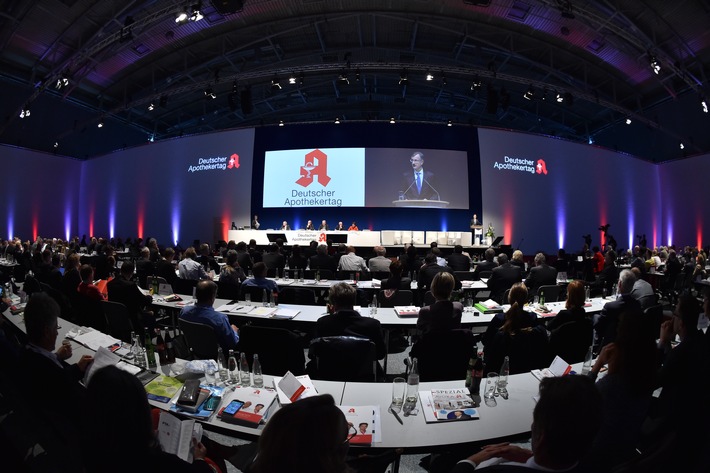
x=281 y=123
x=392 y=120
x=403 y=79
x=209 y=93
x=56 y=145
x=25 y=112
x=196 y=12
x=529 y=94
x=560 y=98
x=343 y=79
x=429 y=76
x=682 y=146
x=101 y=123
x=275 y=84
x=181 y=17
x=151 y=107
x=704 y=104
x=449 y=123
x=292 y=79
x=337 y=120
x=628 y=121
x=591 y=140
x=476 y=84
x=655 y=65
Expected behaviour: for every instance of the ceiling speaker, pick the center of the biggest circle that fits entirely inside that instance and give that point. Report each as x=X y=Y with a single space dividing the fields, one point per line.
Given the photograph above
x=227 y=7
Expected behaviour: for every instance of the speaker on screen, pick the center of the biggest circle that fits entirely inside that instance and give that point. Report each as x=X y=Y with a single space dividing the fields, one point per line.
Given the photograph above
x=227 y=7
x=247 y=106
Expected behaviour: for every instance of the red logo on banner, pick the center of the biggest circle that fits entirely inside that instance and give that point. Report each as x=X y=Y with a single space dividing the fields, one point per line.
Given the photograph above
x=541 y=167
x=233 y=161
x=316 y=164
x=321 y=238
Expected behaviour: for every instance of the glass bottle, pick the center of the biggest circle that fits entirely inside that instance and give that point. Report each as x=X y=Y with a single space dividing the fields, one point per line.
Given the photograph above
x=477 y=375
x=149 y=349
x=160 y=346
x=222 y=365
x=169 y=346
x=244 y=374
x=587 y=365
x=469 y=372
x=274 y=299
x=265 y=298
x=503 y=377
x=413 y=383
x=542 y=299
x=256 y=372
x=132 y=353
x=233 y=368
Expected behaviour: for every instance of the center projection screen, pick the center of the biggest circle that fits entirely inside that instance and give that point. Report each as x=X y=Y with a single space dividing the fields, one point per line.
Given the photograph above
x=365 y=177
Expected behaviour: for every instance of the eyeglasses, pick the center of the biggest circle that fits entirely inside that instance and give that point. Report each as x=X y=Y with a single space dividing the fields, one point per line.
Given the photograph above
x=415 y=160
x=352 y=432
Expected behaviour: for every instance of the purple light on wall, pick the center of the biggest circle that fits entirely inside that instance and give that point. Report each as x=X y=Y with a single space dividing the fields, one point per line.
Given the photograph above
x=176 y=222
x=669 y=230
x=444 y=224
x=10 y=221
x=112 y=217
x=561 y=217
x=67 y=221
x=630 y=215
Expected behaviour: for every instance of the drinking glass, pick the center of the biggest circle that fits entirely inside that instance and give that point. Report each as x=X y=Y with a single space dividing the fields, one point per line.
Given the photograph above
x=247 y=297
x=398 y=387
x=210 y=376
x=491 y=385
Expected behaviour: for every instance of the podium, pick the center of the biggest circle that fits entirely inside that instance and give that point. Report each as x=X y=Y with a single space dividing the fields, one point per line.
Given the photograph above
x=421 y=203
x=477 y=234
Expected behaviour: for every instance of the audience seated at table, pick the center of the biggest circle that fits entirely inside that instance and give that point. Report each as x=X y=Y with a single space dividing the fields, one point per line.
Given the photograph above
x=120 y=436
x=191 y=269
x=566 y=420
x=429 y=269
x=606 y=321
x=203 y=312
x=503 y=277
x=273 y=259
x=321 y=260
x=231 y=272
x=643 y=291
x=608 y=277
x=48 y=273
x=206 y=259
x=541 y=274
x=458 y=261
x=487 y=264
x=517 y=260
x=259 y=280
x=574 y=306
x=351 y=261
x=442 y=314
x=380 y=262
x=410 y=261
x=164 y=267
x=307 y=436
x=626 y=392
x=525 y=343
x=87 y=288
x=71 y=278
x=125 y=291
x=49 y=384
x=395 y=280
x=297 y=260
x=342 y=319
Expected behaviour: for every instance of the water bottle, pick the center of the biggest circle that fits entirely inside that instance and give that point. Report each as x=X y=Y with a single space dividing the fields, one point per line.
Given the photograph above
x=265 y=298
x=149 y=350
x=256 y=371
x=413 y=383
x=503 y=377
x=222 y=365
x=244 y=374
x=587 y=365
x=317 y=275
x=587 y=293
x=233 y=368
x=132 y=353
x=542 y=299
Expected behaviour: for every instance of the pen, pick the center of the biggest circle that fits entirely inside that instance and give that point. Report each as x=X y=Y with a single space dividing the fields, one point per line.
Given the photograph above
x=396 y=416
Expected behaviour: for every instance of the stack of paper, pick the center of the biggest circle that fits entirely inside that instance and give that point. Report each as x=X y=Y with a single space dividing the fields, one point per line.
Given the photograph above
x=291 y=388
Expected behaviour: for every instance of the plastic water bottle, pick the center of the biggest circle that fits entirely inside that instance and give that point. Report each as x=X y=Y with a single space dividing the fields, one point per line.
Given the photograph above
x=256 y=372
x=587 y=365
x=244 y=374
x=265 y=298
x=503 y=377
x=413 y=383
x=222 y=365
x=232 y=368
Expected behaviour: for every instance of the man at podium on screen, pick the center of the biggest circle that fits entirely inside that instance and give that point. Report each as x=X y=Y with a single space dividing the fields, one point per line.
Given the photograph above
x=418 y=184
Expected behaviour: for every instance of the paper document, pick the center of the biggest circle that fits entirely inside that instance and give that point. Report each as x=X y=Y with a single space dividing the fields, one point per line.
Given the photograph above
x=95 y=339
x=102 y=357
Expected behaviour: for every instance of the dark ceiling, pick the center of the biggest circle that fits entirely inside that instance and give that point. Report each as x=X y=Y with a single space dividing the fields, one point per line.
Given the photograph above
x=358 y=61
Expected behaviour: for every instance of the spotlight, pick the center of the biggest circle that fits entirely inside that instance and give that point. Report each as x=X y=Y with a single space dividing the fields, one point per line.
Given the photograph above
x=429 y=76
x=655 y=65
x=337 y=120
x=275 y=84
x=529 y=94
x=196 y=12
x=181 y=17
x=25 y=112
x=560 y=98
x=209 y=93
x=392 y=120
x=300 y=79
x=343 y=79
x=101 y=123
x=292 y=79
x=449 y=123
x=281 y=123
x=704 y=104
x=151 y=107
x=403 y=79
x=56 y=145
x=628 y=121
x=591 y=140
x=476 y=84
x=151 y=137
x=62 y=82
x=682 y=146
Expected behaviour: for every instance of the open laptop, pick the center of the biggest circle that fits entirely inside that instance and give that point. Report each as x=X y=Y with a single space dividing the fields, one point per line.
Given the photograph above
x=497 y=241
x=275 y=236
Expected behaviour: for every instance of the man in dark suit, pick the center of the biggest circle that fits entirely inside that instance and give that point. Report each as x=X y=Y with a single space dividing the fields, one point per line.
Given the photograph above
x=47 y=273
x=418 y=184
x=165 y=268
x=125 y=291
x=243 y=256
x=207 y=260
x=321 y=260
x=459 y=261
x=503 y=277
x=274 y=260
x=144 y=266
x=540 y=275
x=606 y=322
x=343 y=320
x=488 y=264
x=431 y=269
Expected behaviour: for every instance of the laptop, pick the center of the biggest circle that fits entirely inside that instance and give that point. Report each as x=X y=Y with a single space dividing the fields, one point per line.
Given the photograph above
x=275 y=236
x=497 y=241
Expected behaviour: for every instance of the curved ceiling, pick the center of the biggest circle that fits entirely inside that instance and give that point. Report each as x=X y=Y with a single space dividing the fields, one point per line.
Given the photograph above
x=501 y=63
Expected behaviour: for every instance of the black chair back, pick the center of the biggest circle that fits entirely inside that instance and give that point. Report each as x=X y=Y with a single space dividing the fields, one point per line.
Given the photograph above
x=297 y=295
x=184 y=286
x=200 y=339
x=429 y=298
x=280 y=350
x=90 y=312
x=443 y=355
x=256 y=294
x=552 y=293
x=464 y=275
x=118 y=322
x=228 y=290
x=343 y=358
x=389 y=298
x=380 y=275
x=571 y=340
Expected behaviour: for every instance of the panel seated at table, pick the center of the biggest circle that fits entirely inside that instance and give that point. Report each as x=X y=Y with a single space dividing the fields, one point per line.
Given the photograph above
x=364 y=238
